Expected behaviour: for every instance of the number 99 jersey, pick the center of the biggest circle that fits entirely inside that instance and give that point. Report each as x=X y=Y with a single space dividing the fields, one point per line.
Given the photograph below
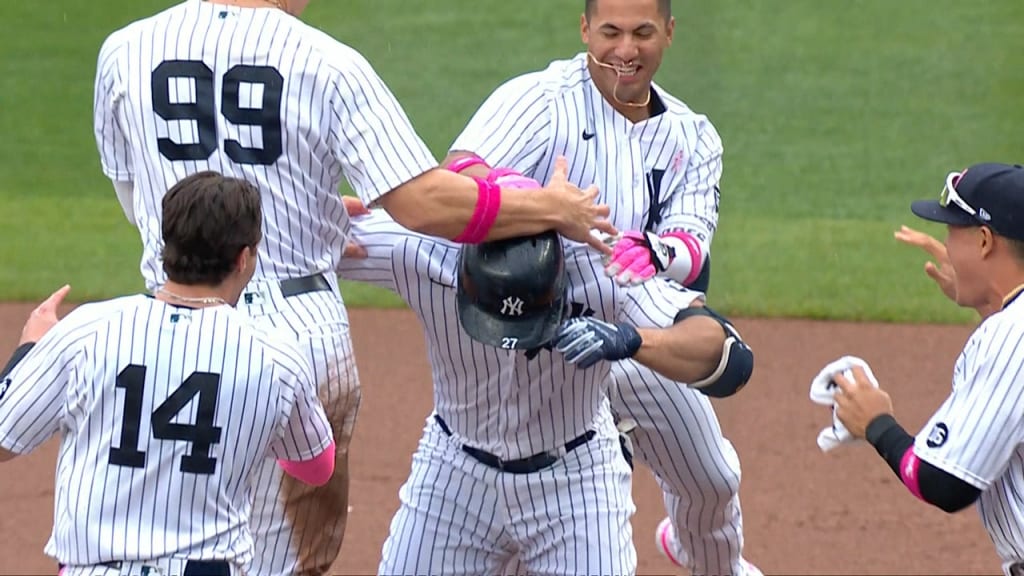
x=164 y=413
x=252 y=93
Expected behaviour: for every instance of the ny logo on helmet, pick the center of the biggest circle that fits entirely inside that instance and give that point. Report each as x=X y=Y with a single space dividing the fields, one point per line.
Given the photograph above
x=512 y=306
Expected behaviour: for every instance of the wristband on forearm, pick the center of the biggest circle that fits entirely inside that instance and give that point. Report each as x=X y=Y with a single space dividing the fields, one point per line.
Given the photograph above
x=460 y=164
x=488 y=203
x=688 y=260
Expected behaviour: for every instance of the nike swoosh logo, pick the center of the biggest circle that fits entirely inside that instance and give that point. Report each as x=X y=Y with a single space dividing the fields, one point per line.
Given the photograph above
x=588 y=135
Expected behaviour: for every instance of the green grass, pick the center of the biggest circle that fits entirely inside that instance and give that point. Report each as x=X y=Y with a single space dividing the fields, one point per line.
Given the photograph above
x=835 y=115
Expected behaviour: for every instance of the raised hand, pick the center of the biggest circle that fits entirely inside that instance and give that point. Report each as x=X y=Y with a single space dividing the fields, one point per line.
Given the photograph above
x=578 y=214
x=941 y=271
x=44 y=316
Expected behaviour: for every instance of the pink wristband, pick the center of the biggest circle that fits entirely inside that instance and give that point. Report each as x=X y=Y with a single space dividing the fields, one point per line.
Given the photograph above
x=693 y=247
x=488 y=202
x=464 y=162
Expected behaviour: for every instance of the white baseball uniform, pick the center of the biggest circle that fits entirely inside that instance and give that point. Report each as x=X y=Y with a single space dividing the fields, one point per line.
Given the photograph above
x=977 y=435
x=660 y=174
x=166 y=414
x=460 y=516
x=257 y=94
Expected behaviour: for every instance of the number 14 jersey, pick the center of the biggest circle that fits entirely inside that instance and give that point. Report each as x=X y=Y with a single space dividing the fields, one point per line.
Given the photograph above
x=252 y=93
x=163 y=413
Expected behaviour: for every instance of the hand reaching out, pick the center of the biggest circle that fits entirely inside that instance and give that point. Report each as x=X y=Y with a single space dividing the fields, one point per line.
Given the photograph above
x=941 y=271
x=579 y=214
x=44 y=316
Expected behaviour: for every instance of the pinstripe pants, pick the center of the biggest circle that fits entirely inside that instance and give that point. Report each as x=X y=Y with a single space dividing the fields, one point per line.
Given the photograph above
x=679 y=438
x=458 y=516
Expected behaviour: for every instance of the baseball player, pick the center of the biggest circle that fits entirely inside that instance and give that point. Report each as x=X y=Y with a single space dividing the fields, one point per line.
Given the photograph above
x=658 y=166
x=245 y=88
x=521 y=456
x=167 y=405
x=972 y=448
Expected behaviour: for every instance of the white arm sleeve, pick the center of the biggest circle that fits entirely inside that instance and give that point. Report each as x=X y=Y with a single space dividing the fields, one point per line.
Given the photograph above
x=693 y=204
x=125 y=192
x=33 y=397
x=379 y=234
x=980 y=426
x=373 y=138
x=111 y=138
x=306 y=432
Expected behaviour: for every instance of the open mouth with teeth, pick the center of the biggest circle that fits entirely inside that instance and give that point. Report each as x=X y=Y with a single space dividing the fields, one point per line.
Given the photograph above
x=626 y=71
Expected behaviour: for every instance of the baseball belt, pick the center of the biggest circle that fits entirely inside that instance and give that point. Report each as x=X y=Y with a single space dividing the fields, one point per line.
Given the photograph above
x=527 y=465
x=170 y=567
x=312 y=283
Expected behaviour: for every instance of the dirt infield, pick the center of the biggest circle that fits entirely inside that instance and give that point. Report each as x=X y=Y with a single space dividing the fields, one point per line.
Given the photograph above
x=804 y=512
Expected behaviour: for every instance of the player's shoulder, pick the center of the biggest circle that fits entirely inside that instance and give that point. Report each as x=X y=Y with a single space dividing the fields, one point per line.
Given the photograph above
x=558 y=78
x=1005 y=325
x=93 y=316
x=120 y=38
x=681 y=112
x=331 y=53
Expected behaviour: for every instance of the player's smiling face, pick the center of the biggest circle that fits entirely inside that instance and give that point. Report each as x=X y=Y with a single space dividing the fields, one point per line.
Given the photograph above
x=631 y=36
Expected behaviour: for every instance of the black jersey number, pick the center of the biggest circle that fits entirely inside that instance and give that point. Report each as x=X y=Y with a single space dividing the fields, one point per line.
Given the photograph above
x=185 y=77
x=201 y=434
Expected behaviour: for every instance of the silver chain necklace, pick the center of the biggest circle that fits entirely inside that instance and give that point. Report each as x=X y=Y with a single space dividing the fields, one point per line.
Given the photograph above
x=215 y=300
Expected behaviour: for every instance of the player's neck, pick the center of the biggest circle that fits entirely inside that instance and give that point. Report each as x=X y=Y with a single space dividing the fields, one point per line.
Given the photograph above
x=195 y=295
x=279 y=4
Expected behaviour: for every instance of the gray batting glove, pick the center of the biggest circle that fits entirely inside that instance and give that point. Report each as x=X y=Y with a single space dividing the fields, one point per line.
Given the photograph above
x=585 y=341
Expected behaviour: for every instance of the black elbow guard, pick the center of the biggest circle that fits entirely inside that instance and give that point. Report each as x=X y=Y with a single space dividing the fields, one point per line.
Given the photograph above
x=737 y=363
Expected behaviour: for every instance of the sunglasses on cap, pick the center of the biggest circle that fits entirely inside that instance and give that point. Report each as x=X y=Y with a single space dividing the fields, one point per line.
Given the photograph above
x=949 y=195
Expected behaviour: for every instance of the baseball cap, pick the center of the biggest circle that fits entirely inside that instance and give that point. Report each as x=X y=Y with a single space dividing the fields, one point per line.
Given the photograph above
x=987 y=194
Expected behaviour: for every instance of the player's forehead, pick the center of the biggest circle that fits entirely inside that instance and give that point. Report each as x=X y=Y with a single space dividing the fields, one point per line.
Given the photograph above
x=626 y=14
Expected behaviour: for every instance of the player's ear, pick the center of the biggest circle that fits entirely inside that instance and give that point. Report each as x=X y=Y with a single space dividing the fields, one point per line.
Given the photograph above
x=584 y=29
x=671 y=29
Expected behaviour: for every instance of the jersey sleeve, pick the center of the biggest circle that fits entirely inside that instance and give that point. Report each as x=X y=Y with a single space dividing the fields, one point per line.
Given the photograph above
x=511 y=129
x=373 y=137
x=34 y=395
x=379 y=234
x=655 y=303
x=693 y=204
x=981 y=424
x=111 y=141
x=306 y=432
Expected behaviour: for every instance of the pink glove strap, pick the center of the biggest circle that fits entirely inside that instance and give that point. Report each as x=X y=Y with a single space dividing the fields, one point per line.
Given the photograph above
x=693 y=247
x=488 y=202
x=465 y=162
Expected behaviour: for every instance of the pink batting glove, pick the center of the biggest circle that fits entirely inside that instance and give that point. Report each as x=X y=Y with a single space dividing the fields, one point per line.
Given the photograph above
x=508 y=178
x=637 y=257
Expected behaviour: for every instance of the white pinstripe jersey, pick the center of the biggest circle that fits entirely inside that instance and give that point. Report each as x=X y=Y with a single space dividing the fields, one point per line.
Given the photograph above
x=977 y=434
x=659 y=174
x=164 y=412
x=503 y=401
x=257 y=94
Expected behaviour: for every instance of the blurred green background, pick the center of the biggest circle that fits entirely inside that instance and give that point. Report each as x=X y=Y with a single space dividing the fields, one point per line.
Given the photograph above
x=834 y=115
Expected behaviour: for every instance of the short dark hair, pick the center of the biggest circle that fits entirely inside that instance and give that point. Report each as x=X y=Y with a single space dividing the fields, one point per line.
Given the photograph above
x=207 y=220
x=664 y=6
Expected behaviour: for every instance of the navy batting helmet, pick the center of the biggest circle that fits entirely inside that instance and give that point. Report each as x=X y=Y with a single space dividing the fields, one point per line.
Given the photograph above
x=511 y=293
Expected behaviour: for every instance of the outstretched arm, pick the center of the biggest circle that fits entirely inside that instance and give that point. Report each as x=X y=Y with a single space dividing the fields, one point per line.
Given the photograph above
x=669 y=330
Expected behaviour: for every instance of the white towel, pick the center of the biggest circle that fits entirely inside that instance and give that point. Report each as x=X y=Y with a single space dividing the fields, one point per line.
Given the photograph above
x=822 y=391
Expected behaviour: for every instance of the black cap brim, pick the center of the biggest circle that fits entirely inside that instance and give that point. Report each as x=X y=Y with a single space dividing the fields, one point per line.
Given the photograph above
x=520 y=333
x=935 y=212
